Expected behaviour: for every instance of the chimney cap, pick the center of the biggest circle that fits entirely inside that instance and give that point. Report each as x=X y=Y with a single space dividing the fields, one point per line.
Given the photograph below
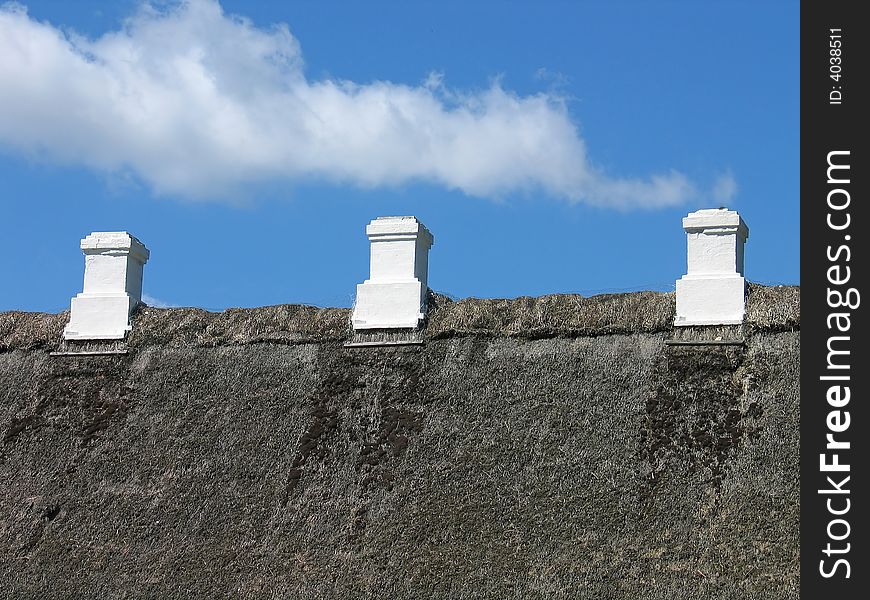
x=101 y=241
x=716 y=219
x=397 y=227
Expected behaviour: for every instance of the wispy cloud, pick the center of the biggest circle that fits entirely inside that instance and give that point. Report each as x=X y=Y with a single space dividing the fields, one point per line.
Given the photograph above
x=724 y=188
x=156 y=302
x=199 y=103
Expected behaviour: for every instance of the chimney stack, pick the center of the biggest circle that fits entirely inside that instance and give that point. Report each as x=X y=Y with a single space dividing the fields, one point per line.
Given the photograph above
x=112 y=287
x=713 y=291
x=394 y=295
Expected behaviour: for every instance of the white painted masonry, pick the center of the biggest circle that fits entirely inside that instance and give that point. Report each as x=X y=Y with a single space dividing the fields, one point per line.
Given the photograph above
x=112 y=287
x=713 y=292
x=394 y=295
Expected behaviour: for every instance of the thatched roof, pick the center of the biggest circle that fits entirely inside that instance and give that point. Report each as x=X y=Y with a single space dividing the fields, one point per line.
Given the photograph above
x=559 y=315
x=548 y=447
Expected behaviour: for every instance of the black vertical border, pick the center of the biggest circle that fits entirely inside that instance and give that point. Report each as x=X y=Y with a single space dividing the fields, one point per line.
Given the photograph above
x=827 y=127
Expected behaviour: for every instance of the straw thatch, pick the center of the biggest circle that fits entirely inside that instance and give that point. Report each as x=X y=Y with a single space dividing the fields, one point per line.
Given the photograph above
x=533 y=448
x=562 y=315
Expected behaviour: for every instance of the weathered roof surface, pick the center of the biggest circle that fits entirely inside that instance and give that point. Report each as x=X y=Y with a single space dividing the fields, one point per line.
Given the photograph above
x=563 y=315
x=551 y=448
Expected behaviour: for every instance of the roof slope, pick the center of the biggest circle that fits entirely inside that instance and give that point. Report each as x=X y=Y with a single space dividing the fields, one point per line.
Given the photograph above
x=547 y=447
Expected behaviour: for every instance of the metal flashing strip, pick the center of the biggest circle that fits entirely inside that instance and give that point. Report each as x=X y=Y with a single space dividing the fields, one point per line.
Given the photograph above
x=705 y=342
x=370 y=338
x=384 y=343
x=91 y=348
x=87 y=352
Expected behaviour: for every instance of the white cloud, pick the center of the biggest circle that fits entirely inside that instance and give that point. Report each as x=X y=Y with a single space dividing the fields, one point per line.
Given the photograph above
x=198 y=103
x=156 y=302
x=724 y=188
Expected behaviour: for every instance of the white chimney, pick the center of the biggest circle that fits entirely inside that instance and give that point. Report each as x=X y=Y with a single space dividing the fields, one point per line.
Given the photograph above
x=713 y=292
x=394 y=295
x=112 y=288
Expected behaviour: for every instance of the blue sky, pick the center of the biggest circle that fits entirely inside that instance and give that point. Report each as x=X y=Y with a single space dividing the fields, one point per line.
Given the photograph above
x=550 y=147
